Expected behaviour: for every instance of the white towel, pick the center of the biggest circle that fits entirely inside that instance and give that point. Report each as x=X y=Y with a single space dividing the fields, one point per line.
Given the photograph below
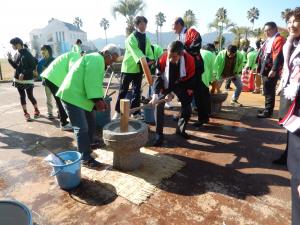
x=182 y=71
x=269 y=43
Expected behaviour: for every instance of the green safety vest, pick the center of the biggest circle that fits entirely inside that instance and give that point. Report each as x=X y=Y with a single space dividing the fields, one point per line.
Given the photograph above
x=133 y=54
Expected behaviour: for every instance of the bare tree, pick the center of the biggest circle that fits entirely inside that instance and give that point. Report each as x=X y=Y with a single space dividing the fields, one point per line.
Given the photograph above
x=77 y=22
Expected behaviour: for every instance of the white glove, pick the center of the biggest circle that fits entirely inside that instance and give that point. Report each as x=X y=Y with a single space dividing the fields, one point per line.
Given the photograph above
x=169 y=97
x=154 y=99
x=291 y=90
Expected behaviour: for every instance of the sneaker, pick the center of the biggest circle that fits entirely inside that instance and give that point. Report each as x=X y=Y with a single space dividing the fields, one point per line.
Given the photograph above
x=67 y=127
x=50 y=117
x=116 y=116
x=91 y=163
x=235 y=103
x=36 y=114
x=27 y=117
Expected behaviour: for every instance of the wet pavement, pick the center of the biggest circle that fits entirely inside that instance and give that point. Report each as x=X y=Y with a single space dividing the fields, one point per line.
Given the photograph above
x=228 y=179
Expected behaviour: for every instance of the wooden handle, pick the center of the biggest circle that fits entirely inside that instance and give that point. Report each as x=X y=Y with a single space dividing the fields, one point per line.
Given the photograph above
x=146 y=71
x=108 y=85
x=124 y=109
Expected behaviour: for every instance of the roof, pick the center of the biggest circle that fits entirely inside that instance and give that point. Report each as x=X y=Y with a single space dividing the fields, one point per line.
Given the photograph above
x=72 y=27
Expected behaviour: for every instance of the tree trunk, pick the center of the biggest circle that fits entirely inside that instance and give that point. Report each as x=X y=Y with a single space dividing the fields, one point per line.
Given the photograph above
x=105 y=37
x=1 y=77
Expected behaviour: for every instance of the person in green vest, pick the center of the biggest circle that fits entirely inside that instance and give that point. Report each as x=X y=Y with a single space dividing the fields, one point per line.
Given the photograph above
x=243 y=52
x=81 y=92
x=157 y=52
x=77 y=46
x=251 y=62
x=137 y=53
x=257 y=77
x=228 y=65
x=54 y=75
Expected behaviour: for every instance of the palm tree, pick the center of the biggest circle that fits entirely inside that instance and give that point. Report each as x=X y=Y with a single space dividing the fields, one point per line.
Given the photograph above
x=237 y=31
x=189 y=18
x=129 y=9
x=105 y=24
x=252 y=15
x=285 y=14
x=160 y=18
x=221 y=23
x=258 y=33
x=77 y=22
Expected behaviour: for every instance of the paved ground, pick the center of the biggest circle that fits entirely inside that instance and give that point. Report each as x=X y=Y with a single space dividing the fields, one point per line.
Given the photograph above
x=228 y=178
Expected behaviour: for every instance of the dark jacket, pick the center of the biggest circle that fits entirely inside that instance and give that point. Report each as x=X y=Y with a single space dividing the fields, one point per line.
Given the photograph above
x=24 y=64
x=274 y=60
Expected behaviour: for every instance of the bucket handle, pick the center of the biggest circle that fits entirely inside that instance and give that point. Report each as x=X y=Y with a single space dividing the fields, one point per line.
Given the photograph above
x=57 y=172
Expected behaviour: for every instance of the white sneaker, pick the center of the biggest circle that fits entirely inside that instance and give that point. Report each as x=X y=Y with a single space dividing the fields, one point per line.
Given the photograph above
x=116 y=116
x=66 y=127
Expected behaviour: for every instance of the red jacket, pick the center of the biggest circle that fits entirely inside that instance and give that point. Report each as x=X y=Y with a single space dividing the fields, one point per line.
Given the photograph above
x=185 y=81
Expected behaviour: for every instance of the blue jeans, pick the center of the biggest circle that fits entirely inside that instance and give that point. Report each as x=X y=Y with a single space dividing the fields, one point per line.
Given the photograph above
x=84 y=125
x=238 y=84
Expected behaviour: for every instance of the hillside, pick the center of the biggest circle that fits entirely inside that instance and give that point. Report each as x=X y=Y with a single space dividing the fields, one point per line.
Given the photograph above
x=166 y=38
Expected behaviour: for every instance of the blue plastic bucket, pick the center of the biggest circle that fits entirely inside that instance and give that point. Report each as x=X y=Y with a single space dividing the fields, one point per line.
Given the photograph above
x=103 y=118
x=14 y=213
x=149 y=114
x=68 y=176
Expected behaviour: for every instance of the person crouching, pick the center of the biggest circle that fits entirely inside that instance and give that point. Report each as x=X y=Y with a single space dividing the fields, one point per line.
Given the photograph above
x=175 y=69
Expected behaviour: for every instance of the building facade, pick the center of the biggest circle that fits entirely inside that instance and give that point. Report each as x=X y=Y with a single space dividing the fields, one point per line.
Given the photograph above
x=59 y=35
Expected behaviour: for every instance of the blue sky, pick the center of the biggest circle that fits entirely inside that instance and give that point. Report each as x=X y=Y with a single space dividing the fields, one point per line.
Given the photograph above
x=19 y=17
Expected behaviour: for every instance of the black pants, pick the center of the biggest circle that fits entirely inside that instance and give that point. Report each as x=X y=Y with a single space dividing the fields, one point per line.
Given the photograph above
x=294 y=168
x=62 y=113
x=227 y=84
x=202 y=100
x=185 y=112
x=269 y=85
x=29 y=92
x=136 y=80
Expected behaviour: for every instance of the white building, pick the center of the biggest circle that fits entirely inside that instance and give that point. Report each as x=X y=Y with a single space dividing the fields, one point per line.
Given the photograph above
x=59 y=35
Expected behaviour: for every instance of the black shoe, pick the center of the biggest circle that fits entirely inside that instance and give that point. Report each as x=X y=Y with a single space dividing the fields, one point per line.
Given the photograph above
x=264 y=114
x=183 y=134
x=159 y=140
x=97 y=144
x=281 y=161
x=199 y=123
x=91 y=163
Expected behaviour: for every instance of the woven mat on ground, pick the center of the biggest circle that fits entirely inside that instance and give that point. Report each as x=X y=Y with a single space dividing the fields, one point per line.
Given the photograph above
x=135 y=186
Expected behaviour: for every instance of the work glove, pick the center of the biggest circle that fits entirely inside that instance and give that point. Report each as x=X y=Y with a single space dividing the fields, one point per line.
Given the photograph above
x=169 y=97
x=154 y=99
x=101 y=105
x=291 y=90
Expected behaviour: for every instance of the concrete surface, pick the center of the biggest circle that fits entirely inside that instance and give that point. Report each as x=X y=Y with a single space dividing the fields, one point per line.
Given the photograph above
x=228 y=178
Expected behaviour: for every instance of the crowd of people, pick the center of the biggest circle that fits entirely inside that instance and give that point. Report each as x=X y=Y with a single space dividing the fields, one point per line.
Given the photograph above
x=185 y=70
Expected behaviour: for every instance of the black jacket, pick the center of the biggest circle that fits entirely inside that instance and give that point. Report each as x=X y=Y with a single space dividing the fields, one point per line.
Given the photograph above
x=24 y=64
